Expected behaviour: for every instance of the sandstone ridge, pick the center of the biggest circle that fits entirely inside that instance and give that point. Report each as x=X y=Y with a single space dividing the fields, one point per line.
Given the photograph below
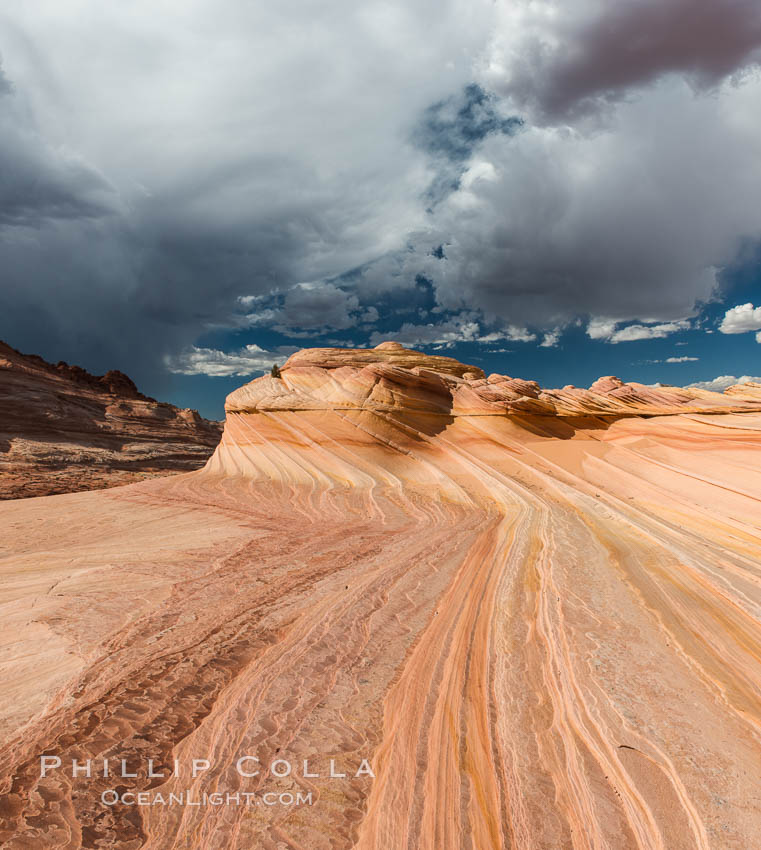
x=540 y=629
x=391 y=378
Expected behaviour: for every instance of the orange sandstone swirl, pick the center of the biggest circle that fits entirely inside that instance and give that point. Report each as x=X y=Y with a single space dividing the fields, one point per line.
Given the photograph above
x=534 y=615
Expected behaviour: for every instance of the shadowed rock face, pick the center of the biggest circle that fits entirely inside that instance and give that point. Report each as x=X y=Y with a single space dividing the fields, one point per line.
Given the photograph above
x=63 y=429
x=540 y=624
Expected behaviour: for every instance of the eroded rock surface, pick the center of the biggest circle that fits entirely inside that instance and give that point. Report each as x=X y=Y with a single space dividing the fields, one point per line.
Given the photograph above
x=391 y=377
x=540 y=624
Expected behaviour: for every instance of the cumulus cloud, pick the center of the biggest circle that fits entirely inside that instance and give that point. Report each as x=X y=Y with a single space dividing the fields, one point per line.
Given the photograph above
x=601 y=211
x=610 y=332
x=256 y=171
x=632 y=333
x=514 y=333
x=718 y=385
x=615 y=221
x=550 y=339
x=741 y=319
x=465 y=327
x=682 y=359
x=531 y=162
x=447 y=333
x=210 y=361
x=302 y=310
x=601 y=328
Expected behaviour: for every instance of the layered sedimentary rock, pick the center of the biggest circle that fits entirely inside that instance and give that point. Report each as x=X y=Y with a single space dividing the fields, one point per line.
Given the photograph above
x=390 y=378
x=540 y=625
x=63 y=429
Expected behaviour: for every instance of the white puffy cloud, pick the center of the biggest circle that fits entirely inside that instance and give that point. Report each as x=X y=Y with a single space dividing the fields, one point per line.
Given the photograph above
x=682 y=359
x=632 y=333
x=210 y=361
x=719 y=384
x=518 y=334
x=447 y=333
x=465 y=327
x=741 y=319
x=609 y=331
x=601 y=328
x=550 y=339
x=514 y=333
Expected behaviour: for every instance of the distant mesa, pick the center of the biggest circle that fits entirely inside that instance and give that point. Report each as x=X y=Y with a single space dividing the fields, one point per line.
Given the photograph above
x=63 y=429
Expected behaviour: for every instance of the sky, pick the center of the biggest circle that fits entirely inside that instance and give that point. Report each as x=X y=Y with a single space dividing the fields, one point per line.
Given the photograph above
x=192 y=190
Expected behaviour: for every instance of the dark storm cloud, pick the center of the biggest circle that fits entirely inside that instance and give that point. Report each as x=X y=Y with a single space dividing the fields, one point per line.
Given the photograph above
x=109 y=282
x=319 y=306
x=62 y=232
x=301 y=310
x=590 y=52
x=143 y=192
x=630 y=222
x=636 y=177
x=34 y=187
x=37 y=181
x=5 y=83
x=126 y=290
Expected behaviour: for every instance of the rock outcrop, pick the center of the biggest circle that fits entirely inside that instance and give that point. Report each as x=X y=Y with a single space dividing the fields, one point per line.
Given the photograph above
x=63 y=429
x=536 y=613
x=392 y=378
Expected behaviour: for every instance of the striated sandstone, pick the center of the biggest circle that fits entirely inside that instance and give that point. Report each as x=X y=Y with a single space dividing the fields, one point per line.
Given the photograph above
x=541 y=626
x=392 y=378
x=391 y=353
x=63 y=429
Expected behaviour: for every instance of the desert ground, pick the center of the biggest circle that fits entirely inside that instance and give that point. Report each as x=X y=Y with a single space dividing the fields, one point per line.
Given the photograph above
x=534 y=615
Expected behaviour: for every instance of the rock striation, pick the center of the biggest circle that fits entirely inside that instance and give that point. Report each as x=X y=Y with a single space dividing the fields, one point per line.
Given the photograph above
x=536 y=613
x=63 y=429
x=392 y=378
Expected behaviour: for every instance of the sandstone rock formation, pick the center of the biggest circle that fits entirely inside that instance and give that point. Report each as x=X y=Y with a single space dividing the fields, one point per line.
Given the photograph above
x=63 y=429
x=536 y=613
x=391 y=377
